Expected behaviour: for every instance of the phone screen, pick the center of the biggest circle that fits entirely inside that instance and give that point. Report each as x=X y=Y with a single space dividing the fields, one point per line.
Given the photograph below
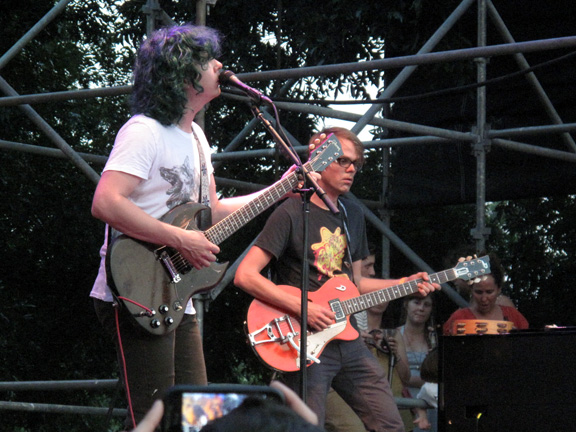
x=189 y=408
x=199 y=408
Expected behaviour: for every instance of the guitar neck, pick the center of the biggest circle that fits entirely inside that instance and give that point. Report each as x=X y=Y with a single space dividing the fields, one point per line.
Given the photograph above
x=234 y=221
x=375 y=298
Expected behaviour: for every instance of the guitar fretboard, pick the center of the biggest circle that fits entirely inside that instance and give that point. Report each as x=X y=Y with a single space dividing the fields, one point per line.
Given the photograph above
x=236 y=220
x=366 y=301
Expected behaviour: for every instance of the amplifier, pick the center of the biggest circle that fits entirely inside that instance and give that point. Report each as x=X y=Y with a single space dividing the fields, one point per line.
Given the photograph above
x=524 y=381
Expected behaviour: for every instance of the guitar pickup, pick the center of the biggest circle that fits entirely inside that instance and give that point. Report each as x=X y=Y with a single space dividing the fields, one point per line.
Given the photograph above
x=166 y=260
x=336 y=307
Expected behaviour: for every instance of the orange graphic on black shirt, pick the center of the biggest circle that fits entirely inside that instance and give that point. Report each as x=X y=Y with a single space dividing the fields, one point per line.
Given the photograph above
x=329 y=252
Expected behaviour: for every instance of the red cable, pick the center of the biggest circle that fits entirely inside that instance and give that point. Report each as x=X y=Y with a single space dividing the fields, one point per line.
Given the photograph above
x=130 y=409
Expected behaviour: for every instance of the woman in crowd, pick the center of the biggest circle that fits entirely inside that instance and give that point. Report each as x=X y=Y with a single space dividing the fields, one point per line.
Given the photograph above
x=484 y=304
x=419 y=337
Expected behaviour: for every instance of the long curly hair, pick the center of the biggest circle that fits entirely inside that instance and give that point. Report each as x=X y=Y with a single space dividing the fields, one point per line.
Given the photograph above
x=171 y=59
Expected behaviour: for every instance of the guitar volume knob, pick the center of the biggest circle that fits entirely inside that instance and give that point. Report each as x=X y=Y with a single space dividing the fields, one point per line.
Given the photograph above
x=154 y=323
x=163 y=309
x=168 y=320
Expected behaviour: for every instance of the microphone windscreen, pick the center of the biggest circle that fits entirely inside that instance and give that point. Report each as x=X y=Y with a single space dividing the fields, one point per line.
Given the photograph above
x=225 y=76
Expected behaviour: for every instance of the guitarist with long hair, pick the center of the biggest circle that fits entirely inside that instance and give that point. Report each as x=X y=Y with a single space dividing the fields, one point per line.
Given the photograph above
x=335 y=250
x=161 y=160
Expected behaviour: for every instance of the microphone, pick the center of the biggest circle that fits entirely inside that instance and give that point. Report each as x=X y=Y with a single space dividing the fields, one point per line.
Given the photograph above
x=228 y=78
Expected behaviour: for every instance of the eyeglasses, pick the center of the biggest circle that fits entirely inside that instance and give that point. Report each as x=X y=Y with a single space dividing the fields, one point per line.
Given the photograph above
x=345 y=162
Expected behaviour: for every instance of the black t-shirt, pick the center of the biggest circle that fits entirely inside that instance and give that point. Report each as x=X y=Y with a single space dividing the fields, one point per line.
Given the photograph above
x=327 y=253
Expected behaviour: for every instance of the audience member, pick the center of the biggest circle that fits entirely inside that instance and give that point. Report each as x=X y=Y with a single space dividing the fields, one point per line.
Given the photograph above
x=484 y=304
x=253 y=417
x=427 y=419
x=463 y=287
x=419 y=336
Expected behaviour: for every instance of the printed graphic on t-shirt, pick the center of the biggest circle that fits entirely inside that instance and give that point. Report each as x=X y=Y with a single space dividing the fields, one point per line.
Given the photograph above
x=182 y=180
x=329 y=252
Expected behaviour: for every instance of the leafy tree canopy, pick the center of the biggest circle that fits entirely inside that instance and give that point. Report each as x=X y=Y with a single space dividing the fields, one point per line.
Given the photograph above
x=51 y=241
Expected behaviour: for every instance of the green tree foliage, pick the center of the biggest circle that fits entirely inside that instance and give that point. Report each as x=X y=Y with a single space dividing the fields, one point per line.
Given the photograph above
x=50 y=255
x=535 y=238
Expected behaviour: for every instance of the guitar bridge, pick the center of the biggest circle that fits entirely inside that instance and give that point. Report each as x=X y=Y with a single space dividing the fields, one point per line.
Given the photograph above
x=269 y=329
x=165 y=258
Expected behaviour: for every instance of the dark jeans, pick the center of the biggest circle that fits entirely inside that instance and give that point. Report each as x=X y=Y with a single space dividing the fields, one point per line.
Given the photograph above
x=153 y=363
x=351 y=369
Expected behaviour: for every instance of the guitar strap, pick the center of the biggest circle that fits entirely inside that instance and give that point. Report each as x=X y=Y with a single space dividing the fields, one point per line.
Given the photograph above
x=205 y=217
x=344 y=218
x=111 y=233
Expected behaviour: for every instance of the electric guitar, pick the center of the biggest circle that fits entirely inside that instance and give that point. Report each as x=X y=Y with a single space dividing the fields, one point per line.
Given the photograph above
x=275 y=335
x=155 y=282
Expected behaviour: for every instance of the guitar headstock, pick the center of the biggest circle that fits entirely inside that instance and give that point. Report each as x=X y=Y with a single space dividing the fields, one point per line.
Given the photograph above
x=326 y=153
x=473 y=270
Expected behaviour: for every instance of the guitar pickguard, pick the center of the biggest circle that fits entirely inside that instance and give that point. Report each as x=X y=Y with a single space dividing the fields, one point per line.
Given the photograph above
x=318 y=340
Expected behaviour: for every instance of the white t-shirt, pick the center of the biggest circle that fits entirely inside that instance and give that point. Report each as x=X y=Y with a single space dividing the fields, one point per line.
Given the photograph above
x=166 y=159
x=429 y=393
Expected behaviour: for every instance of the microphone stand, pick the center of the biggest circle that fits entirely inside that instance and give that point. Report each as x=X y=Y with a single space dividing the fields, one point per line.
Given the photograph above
x=306 y=193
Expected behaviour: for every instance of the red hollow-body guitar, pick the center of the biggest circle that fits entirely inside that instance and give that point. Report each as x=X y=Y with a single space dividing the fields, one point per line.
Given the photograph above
x=275 y=335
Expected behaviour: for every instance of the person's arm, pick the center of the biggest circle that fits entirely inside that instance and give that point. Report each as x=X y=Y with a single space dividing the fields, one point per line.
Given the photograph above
x=367 y=285
x=399 y=349
x=152 y=419
x=249 y=278
x=224 y=206
x=512 y=314
x=294 y=402
x=111 y=205
x=421 y=420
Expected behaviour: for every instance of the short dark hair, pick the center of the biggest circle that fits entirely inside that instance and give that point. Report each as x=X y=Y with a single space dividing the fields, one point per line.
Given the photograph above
x=429 y=367
x=168 y=61
x=496 y=269
x=255 y=414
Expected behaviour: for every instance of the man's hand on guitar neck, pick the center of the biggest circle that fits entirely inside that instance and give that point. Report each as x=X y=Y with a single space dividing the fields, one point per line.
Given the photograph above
x=425 y=287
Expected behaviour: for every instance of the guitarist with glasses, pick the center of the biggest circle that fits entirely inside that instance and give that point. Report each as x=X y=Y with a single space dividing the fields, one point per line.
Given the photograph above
x=337 y=244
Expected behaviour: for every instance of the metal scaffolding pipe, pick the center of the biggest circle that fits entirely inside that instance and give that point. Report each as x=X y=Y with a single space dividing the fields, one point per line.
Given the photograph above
x=539 y=151
x=103 y=384
x=532 y=130
x=482 y=144
x=53 y=135
x=65 y=95
x=61 y=409
x=45 y=151
x=383 y=122
x=335 y=69
x=399 y=142
x=31 y=34
x=406 y=250
x=419 y=59
x=531 y=77
x=409 y=69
